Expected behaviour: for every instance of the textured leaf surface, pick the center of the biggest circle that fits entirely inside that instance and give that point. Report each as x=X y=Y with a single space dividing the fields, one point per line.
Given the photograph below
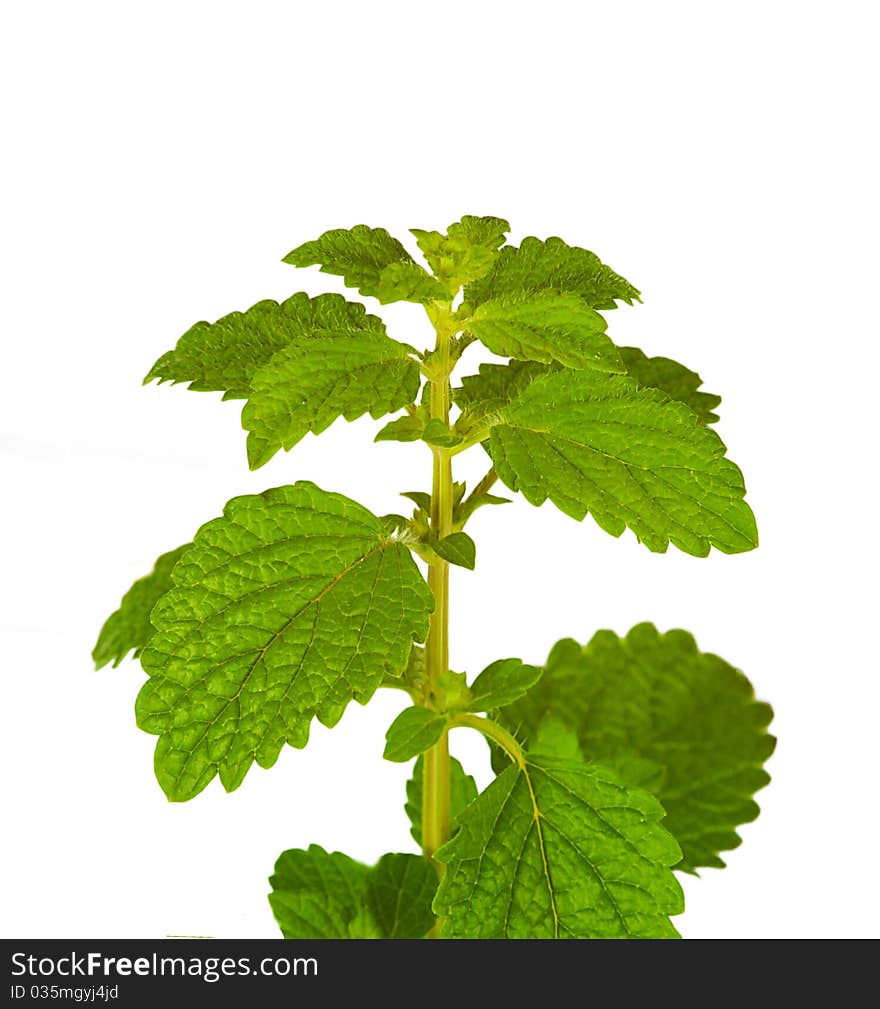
x=497 y=385
x=628 y=455
x=319 y=895
x=457 y=548
x=501 y=683
x=463 y=791
x=546 y=327
x=414 y=730
x=672 y=378
x=559 y=849
x=128 y=629
x=467 y=250
x=289 y=606
x=551 y=266
x=370 y=260
x=311 y=383
x=222 y=356
x=669 y=718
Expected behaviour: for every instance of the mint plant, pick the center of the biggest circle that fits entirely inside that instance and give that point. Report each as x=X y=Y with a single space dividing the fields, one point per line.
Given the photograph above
x=620 y=761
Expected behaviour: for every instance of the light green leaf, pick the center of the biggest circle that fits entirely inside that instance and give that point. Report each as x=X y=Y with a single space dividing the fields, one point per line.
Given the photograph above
x=628 y=455
x=415 y=730
x=437 y=432
x=463 y=791
x=318 y=895
x=222 y=356
x=457 y=548
x=554 y=849
x=406 y=428
x=672 y=378
x=370 y=260
x=666 y=716
x=289 y=606
x=128 y=629
x=419 y=498
x=501 y=683
x=467 y=250
x=309 y=384
x=545 y=327
x=497 y=385
x=551 y=266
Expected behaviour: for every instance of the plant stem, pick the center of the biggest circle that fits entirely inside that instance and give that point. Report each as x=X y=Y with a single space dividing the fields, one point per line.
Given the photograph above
x=436 y=788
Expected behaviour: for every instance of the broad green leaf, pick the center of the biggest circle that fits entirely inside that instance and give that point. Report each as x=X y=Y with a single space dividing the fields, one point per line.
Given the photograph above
x=463 y=791
x=467 y=250
x=457 y=548
x=407 y=428
x=557 y=848
x=414 y=730
x=501 y=683
x=496 y=386
x=551 y=266
x=628 y=455
x=370 y=260
x=545 y=327
x=222 y=356
x=672 y=378
x=292 y=604
x=309 y=384
x=319 y=895
x=668 y=717
x=128 y=629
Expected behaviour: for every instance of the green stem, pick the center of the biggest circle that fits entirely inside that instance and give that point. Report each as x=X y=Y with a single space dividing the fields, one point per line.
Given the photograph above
x=436 y=793
x=491 y=730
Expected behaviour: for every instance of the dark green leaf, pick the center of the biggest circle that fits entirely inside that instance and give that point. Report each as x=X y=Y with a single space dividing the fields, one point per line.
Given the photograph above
x=501 y=683
x=457 y=548
x=667 y=717
x=672 y=378
x=463 y=791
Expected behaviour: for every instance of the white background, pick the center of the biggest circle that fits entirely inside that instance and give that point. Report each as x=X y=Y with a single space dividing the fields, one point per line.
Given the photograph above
x=159 y=161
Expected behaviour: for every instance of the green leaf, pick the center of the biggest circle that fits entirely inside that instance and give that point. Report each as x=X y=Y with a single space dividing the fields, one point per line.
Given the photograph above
x=501 y=683
x=223 y=356
x=545 y=327
x=462 y=512
x=457 y=548
x=309 y=384
x=672 y=378
x=496 y=386
x=128 y=629
x=317 y=895
x=551 y=266
x=406 y=428
x=437 y=432
x=556 y=848
x=463 y=791
x=370 y=260
x=666 y=716
x=628 y=455
x=414 y=730
x=467 y=250
x=419 y=498
x=289 y=606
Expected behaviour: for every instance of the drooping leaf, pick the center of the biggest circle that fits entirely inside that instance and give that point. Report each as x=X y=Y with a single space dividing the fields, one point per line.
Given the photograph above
x=319 y=895
x=222 y=356
x=465 y=252
x=672 y=378
x=292 y=604
x=501 y=683
x=128 y=629
x=556 y=848
x=370 y=260
x=629 y=455
x=551 y=265
x=457 y=548
x=415 y=730
x=667 y=717
x=309 y=384
x=407 y=428
x=463 y=791
x=545 y=327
